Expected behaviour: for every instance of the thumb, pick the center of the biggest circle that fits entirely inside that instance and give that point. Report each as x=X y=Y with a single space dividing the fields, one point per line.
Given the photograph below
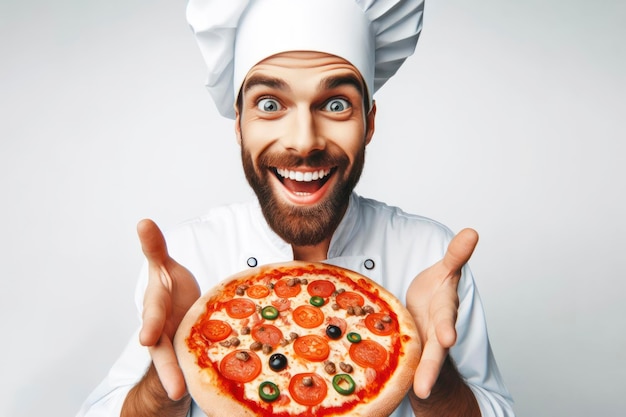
x=460 y=249
x=152 y=241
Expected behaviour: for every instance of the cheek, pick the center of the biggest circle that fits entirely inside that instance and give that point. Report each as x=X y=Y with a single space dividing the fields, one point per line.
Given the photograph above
x=349 y=137
x=256 y=137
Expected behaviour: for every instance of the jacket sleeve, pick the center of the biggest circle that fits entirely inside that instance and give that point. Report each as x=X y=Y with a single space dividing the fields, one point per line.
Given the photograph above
x=108 y=397
x=473 y=356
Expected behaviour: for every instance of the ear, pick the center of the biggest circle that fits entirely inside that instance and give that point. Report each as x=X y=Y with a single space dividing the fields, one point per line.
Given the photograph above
x=237 y=125
x=370 y=123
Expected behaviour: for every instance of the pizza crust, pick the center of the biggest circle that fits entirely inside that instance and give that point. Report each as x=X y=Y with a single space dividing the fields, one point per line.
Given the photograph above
x=209 y=392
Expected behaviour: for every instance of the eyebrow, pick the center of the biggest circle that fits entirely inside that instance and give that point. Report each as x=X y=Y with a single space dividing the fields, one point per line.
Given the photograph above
x=341 y=80
x=271 y=82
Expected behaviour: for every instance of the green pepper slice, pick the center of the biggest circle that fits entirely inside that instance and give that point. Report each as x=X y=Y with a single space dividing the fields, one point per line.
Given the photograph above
x=317 y=301
x=268 y=391
x=353 y=337
x=269 y=312
x=343 y=384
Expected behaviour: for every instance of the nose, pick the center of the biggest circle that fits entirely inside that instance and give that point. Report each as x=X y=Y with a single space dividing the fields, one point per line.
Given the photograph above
x=303 y=136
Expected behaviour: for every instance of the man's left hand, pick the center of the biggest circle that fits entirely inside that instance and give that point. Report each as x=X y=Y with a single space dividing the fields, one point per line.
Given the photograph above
x=433 y=301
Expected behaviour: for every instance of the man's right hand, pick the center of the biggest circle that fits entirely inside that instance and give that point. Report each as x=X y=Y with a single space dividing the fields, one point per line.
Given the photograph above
x=171 y=291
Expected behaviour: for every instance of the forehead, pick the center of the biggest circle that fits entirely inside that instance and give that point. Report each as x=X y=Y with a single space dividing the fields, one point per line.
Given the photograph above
x=303 y=69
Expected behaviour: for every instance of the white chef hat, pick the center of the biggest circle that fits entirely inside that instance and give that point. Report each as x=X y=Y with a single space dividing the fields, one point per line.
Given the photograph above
x=375 y=36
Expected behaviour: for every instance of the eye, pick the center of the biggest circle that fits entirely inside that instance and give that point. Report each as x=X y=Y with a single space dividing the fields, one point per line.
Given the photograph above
x=336 y=105
x=268 y=105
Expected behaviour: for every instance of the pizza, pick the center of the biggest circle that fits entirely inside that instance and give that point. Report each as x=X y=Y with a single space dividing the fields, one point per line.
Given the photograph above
x=297 y=339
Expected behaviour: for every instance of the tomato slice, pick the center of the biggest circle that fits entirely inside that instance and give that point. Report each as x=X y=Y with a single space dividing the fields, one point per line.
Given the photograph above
x=267 y=334
x=369 y=354
x=312 y=347
x=282 y=289
x=321 y=288
x=308 y=316
x=215 y=330
x=308 y=393
x=240 y=366
x=349 y=299
x=240 y=308
x=381 y=324
x=258 y=291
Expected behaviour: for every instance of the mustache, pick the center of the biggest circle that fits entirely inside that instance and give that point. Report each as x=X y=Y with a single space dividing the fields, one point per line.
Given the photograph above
x=319 y=159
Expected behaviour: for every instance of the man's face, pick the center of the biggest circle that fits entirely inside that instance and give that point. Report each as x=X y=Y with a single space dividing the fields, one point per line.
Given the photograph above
x=303 y=130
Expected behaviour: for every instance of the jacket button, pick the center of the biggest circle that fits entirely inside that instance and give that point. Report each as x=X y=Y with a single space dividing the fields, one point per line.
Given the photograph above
x=369 y=264
x=252 y=262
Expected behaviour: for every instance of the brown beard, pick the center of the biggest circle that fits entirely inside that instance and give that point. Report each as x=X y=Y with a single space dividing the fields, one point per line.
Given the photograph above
x=303 y=226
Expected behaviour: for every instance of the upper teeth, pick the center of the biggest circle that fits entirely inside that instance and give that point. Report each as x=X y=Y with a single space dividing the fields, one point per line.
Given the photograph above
x=303 y=176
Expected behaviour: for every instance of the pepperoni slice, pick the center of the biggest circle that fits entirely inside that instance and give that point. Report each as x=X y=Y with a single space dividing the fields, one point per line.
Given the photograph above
x=308 y=316
x=215 y=330
x=381 y=324
x=321 y=288
x=311 y=347
x=267 y=334
x=349 y=299
x=282 y=289
x=240 y=308
x=282 y=304
x=308 y=389
x=240 y=366
x=258 y=291
x=369 y=354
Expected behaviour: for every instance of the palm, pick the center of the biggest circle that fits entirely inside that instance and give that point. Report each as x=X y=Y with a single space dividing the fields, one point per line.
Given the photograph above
x=433 y=301
x=171 y=290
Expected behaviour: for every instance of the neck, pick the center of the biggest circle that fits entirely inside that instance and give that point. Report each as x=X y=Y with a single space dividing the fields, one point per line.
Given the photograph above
x=314 y=253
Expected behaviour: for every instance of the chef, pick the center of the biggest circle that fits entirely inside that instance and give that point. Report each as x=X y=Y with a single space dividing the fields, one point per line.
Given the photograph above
x=298 y=78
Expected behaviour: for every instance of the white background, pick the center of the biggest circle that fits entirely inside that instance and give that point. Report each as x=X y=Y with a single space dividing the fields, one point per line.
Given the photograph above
x=509 y=119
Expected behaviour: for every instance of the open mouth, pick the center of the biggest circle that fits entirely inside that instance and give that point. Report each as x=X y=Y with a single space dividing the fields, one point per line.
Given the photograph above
x=303 y=182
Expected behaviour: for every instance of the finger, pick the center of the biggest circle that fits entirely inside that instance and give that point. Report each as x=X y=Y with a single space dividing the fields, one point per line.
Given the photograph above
x=155 y=308
x=444 y=320
x=443 y=312
x=152 y=241
x=428 y=369
x=166 y=364
x=460 y=249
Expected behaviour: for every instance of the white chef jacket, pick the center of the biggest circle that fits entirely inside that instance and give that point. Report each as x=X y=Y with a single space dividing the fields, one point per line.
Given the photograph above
x=381 y=242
